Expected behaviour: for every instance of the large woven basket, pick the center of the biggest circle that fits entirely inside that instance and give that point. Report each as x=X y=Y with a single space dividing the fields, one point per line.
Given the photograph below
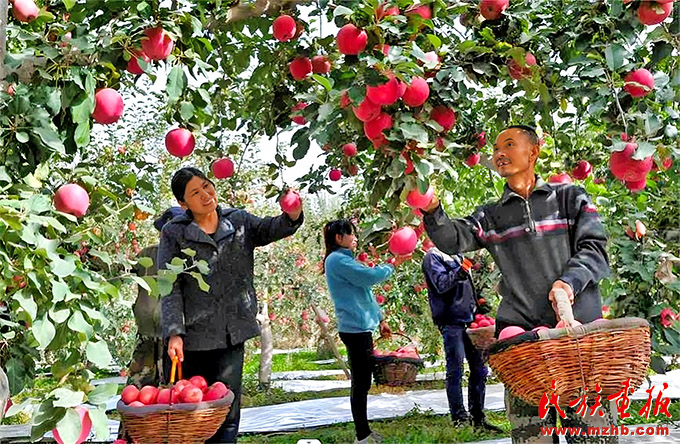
x=174 y=423
x=604 y=352
x=396 y=371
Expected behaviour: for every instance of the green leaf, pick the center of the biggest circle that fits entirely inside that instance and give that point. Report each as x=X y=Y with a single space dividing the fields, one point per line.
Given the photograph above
x=63 y=268
x=82 y=134
x=59 y=291
x=644 y=150
x=102 y=394
x=65 y=397
x=435 y=41
x=100 y=423
x=145 y=262
x=189 y=252
x=201 y=283
x=414 y=131
x=153 y=285
x=69 y=427
x=341 y=10
x=141 y=282
x=187 y=110
x=321 y=80
x=98 y=353
x=50 y=138
x=203 y=267
x=177 y=82
x=614 y=54
x=21 y=136
x=165 y=283
x=27 y=303
x=79 y=324
x=423 y=167
x=60 y=315
x=45 y=418
x=16 y=408
x=69 y=4
x=43 y=331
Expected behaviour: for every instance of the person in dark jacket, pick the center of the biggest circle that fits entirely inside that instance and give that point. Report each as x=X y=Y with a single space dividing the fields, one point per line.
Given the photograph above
x=543 y=237
x=453 y=303
x=207 y=330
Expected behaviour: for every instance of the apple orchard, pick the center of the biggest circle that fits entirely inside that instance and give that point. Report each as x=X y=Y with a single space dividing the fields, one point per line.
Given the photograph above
x=405 y=98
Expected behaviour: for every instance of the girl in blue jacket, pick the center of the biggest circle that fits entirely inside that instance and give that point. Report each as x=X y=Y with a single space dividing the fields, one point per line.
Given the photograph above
x=349 y=284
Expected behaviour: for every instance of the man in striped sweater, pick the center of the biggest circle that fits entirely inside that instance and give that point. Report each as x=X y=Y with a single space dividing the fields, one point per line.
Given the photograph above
x=543 y=237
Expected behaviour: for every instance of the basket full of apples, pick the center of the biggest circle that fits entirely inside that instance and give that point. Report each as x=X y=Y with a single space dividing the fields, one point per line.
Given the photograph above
x=188 y=411
x=571 y=359
x=398 y=367
x=481 y=332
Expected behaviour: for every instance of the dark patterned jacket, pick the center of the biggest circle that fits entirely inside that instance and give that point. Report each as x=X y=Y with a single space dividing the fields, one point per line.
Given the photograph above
x=226 y=314
x=554 y=234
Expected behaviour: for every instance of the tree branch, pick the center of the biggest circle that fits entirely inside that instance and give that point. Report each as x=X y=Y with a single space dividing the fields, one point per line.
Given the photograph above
x=258 y=8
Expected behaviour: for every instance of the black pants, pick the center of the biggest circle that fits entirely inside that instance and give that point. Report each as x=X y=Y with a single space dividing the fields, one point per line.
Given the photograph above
x=360 y=354
x=226 y=365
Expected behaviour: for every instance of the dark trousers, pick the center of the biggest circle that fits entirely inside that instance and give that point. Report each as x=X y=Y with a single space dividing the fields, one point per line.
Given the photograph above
x=360 y=354
x=226 y=365
x=456 y=346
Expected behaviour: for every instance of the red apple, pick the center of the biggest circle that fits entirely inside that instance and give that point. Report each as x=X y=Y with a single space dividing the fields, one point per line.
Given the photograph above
x=583 y=169
x=415 y=199
x=416 y=93
x=639 y=83
x=335 y=175
x=108 y=106
x=519 y=72
x=509 y=332
x=290 y=202
x=351 y=40
x=654 y=12
x=164 y=396
x=136 y=404
x=133 y=65
x=473 y=159
x=362 y=257
x=444 y=116
x=403 y=241
x=85 y=426
x=300 y=67
x=636 y=185
x=321 y=64
x=129 y=394
x=148 y=395
x=157 y=44
x=349 y=149
x=493 y=9
x=216 y=391
x=300 y=120
x=374 y=128
x=560 y=178
x=624 y=167
x=380 y=299
x=284 y=28
x=386 y=93
x=180 y=142
x=345 y=100
x=200 y=382
x=223 y=168
x=423 y=11
x=667 y=163
x=72 y=199
x=24 y=10
x=191 y=394
x=367 y=110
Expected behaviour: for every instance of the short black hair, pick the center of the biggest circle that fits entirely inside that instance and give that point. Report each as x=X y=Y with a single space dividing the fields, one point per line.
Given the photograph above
x=182 y=177
x=528 y=131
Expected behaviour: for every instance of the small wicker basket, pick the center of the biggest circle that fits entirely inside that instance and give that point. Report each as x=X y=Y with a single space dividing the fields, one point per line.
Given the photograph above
x=395 y=371
x=174 y=423
x=482 y=338
x=604 y=352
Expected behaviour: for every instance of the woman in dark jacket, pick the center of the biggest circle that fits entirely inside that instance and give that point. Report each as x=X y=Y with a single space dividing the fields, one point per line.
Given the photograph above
x=207 y=330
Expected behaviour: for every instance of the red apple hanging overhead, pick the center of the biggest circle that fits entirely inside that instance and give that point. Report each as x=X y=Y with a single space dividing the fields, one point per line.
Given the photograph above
x=108 y=106
x=72 y=199
x=223 y=168
x=403 y=241
x=157 y=44
x=24 y=10
x=639 y=83
x=180 y=142
x=300 y=67
x=284 y=28
x=416 y=93
x=351 y=40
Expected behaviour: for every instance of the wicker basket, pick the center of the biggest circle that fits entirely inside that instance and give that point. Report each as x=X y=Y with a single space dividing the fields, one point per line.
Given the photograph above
x=396 y=371
x=174 y=424
x=482 y=338
x=607 y=352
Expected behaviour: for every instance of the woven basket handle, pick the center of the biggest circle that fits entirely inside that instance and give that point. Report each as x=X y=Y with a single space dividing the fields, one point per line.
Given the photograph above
x=564 y=309
x=176 y=369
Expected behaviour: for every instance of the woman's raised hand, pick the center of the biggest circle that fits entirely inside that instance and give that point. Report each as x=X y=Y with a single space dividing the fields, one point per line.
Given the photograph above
x=176 y=347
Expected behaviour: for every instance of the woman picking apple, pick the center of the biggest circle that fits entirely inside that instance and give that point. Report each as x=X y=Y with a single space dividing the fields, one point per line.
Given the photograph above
x=349 y=284
x=207 y=329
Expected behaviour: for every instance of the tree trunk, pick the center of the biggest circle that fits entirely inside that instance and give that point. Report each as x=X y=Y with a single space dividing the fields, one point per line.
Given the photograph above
x=266 y=347
x=325 y=334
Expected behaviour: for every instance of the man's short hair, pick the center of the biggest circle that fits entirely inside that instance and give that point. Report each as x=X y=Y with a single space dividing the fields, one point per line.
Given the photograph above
x=528 y=131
